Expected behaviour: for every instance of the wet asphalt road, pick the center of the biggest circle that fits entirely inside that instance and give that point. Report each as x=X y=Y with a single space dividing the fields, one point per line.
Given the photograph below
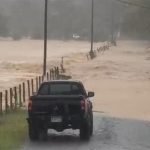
x=109 y=134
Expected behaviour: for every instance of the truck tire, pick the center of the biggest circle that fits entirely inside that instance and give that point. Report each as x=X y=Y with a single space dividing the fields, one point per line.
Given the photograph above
x=85 y=130
x=91 y=124
x=33 y=134
x=43 y=136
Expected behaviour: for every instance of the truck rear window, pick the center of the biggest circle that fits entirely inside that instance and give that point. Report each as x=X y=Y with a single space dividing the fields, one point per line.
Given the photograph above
x=61 y=89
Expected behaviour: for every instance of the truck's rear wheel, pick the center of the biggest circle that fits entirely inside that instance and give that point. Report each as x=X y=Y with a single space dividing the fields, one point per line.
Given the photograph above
x=43 y=135
x=33 y=134
x=85 y=131
x=91 y=124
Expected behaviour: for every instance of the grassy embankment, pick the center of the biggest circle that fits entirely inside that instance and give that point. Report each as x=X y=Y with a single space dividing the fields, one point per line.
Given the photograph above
x=12 y=130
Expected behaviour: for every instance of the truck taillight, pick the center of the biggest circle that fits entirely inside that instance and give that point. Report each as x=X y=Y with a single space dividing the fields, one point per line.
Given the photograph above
x=30 y=105
x=82 y=103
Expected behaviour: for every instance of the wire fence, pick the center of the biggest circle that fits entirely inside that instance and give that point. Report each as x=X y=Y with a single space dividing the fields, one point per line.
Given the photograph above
x=17 y=96
x=98 y=50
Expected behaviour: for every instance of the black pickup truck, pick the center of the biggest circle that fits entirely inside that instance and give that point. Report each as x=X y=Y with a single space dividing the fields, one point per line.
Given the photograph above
x=60 y=105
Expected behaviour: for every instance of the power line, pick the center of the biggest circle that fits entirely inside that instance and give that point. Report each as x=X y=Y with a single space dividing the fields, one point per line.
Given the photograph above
x=133 y=4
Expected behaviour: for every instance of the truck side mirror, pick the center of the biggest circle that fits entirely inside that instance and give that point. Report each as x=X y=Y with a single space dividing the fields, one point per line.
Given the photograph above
x=91 y=94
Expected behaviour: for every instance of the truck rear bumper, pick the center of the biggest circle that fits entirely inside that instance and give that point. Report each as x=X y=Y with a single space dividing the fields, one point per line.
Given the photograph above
x=66 y=122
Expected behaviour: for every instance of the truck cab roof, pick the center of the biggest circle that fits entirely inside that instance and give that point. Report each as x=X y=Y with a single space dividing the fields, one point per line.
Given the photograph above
x=63 y=81
x=57 y=87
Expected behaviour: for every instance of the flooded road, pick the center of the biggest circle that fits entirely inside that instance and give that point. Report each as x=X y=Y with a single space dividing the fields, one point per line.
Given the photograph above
x=109 y=134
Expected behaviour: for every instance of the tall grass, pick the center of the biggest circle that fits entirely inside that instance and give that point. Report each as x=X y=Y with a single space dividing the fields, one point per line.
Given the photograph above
x=12 y=130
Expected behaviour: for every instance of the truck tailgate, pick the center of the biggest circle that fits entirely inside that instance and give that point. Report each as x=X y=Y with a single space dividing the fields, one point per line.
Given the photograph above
x=56 y=105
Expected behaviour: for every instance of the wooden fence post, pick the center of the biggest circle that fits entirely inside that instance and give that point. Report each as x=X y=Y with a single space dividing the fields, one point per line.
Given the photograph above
x=6 y=101
x=28 y=82
x=32 y=86
x=57 y=72
x=20 y=97
x=53 y=74
x=39 y=80
x=15 y=97
x=47 y=75
x=1 y=102
x=37 y=85
x=24 y=92
x=50 y=74
x=11 y=100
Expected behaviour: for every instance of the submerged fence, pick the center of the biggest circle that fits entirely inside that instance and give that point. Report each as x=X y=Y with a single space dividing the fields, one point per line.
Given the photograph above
x=16 y=97
x=98 y=50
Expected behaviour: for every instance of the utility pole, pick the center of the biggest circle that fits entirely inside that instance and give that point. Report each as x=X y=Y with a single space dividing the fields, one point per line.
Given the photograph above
x=92 y=29
x=112 y=22
x=113 y=38
x=45 y=40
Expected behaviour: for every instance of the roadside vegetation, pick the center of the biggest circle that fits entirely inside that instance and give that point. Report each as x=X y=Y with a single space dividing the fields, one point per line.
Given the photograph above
x=12 y=130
